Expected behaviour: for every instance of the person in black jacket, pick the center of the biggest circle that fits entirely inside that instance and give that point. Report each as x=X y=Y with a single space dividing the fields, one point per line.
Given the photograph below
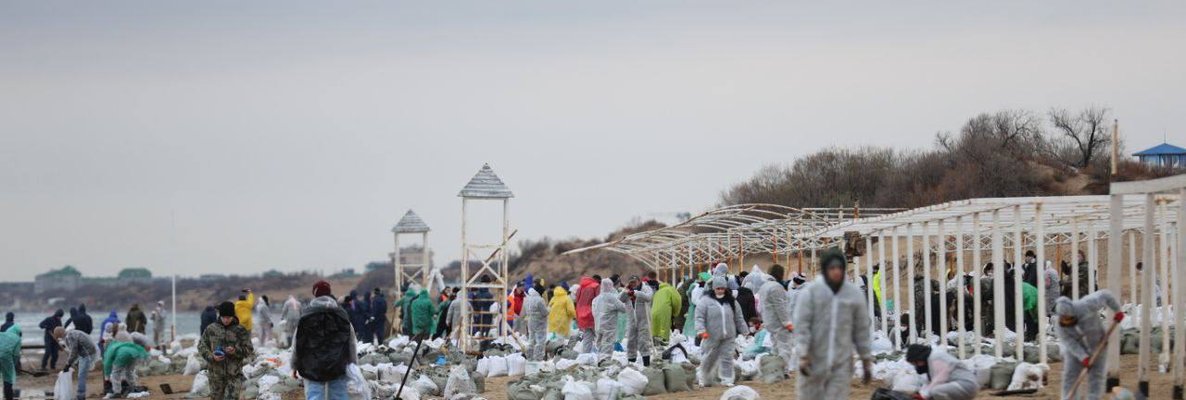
x=209 y=316
x=51 y=345
x=379 y=313
x=747 y=301
x=82 y=321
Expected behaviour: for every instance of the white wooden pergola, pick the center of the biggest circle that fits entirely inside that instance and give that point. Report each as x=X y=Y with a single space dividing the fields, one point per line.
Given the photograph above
x=411 y=224
x=484 y=186
x=731 y=233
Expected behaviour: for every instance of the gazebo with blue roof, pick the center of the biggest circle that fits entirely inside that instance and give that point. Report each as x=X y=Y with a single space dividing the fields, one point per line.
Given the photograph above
x=1163 y=155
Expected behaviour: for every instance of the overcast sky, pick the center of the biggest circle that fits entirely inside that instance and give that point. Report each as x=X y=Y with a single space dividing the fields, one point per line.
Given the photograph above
x=228 y=136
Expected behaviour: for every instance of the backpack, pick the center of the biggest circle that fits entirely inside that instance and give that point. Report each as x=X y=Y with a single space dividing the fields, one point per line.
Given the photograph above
x=323 y=341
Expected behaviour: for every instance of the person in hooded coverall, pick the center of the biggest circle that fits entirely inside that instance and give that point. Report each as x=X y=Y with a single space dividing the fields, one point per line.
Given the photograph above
x=718 y=323
x=535 y=316
x=607 y=308
x=119 y=366
x=423 y=315
x=831 y=323
x=244 y=307
x=695 y=290
x=10 y=358
x=949 y=379
x=666 y=305
x=776 y=315
x=585 y=294
x=1080 y=331
x=637 y=299
x=290 y=315
x=561 y=313
x=404 y=304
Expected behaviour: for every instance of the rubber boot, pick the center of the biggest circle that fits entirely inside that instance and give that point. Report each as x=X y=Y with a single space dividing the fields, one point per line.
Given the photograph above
x=632 y=360
x=646 y=361
x=107 y=387
x=9 y=393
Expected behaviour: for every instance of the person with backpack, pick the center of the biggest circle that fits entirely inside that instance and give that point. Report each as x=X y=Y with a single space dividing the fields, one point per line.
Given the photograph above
x=323 y=346
x=226 y=347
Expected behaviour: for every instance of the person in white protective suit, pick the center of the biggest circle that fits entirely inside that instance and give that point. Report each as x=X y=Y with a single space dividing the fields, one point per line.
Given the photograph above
x=831 y=323
x=290 y=315
x=722 y=270
x=776 y=315
x=1079 y=332
x=718 y=323
x=948 y=378
x=637 y=298
x=607 y=308
x=535 y=314
x=795 y=287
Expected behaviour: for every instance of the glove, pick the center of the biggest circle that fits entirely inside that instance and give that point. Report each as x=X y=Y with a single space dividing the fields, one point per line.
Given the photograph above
x=1087 y=362
x=790 y=327
x=804 y=366
x=918 y=397
x=703 y=335
x=1119 y=316
x=867 y=368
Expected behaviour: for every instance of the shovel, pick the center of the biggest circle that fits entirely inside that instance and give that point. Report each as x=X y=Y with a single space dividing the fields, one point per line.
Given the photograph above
x=415 y=353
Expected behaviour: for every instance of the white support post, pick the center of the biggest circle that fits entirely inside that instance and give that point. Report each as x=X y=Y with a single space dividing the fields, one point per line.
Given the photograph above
x=928 y=316
x=897 y=285
x=998 y=285
x=1134 y=287
x=942 y=268
x=960 y=312
x=1163 y=358
x=1092 y=259
x=977 y=296
x=1146 y=347
x=1115 y=245
x=425 y=260
x=912 y=338
x=884 y=270
x=466 y=318
x=1019 y=296
x=1075 y=259
x=1179 y=296
x=1040 y=259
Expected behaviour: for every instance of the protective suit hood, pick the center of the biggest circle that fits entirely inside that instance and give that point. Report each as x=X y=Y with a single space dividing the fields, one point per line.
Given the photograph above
x=607 y=286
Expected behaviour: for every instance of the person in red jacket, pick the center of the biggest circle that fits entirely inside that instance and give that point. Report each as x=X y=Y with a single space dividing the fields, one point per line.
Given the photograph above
x=515 y=308
x=590 y=287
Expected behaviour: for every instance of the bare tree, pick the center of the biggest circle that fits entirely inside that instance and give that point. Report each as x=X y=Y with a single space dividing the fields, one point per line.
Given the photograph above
x=1085 y=132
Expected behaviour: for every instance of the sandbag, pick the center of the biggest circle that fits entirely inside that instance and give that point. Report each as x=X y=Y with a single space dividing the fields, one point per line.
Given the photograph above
x=608 y=389
x=741 y=392
x=772 y=369
x=425 y=385
x=497 y=366
x=483 y=367
x=656 y=382
x=200 y=386
x=64 y=387
x=1002 y=375
x=675 y=379
x=192 y=365
x=520 y=390
x=516 y=364
x=575 y=391
x=746 y=370
x=633 y=382
x=459 y=382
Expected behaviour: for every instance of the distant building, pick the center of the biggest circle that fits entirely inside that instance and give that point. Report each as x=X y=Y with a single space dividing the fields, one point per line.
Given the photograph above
x=135 y=275
x=65 y=279
x=1164 y=155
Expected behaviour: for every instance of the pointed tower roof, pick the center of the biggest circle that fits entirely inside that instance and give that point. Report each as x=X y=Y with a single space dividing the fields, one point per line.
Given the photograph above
x=410 y=223
x=486 y=185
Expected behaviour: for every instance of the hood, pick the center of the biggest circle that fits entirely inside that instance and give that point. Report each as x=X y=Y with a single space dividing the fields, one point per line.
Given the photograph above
x=721 y=269
x=532 y=293
x=82 y=308
x=559 y=292
x=829 y=256
x=607 y=286
x=59 y=313
x=663 y=285
x=423 y=294
x=135 y=307
x=113 y=315
x=587 y=281
x=719 y=282
x=210 y=309
x=9 y=317
x=1065 y=306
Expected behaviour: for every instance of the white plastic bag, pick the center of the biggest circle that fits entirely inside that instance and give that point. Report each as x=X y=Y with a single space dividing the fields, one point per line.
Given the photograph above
x=192 y=365
x=516 y=365
x=633 y=382
x=358 y=384
x=573 y=390
x=608 y=389
x=425 y=385
x=484 y=366
x=740 y=393
x=497 y=366
x=587 y=359
x=64 y=388
x=201 y=385
x=459 y=382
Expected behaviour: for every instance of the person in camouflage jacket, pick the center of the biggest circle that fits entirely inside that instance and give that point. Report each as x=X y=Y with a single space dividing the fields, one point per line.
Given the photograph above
x=226 y=347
